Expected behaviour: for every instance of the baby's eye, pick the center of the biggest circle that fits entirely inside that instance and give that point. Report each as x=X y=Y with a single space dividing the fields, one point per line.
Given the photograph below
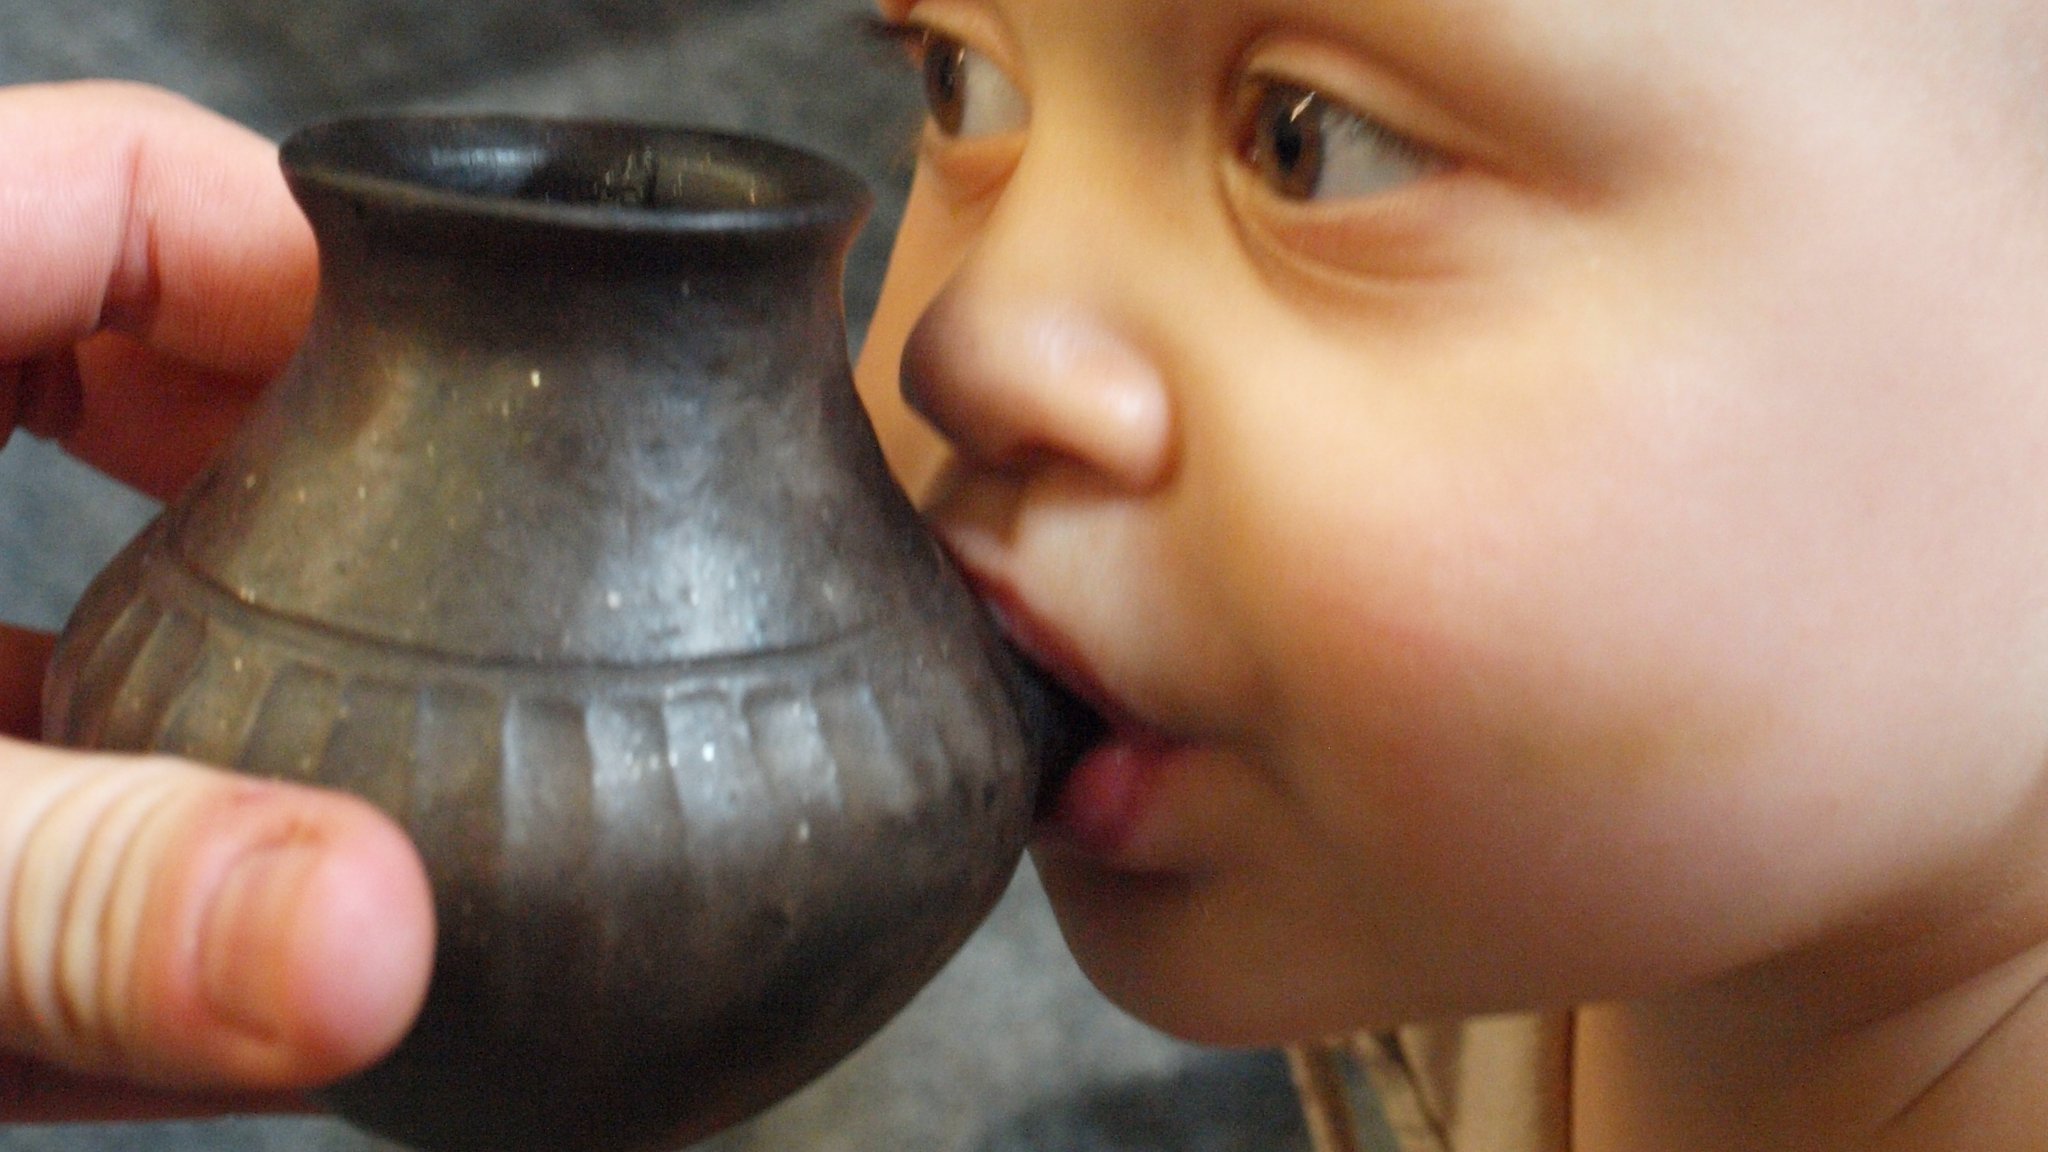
x=1306 y=146
x=967 y=94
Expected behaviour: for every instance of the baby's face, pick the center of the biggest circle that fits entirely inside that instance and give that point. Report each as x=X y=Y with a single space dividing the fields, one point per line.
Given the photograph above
x=1554 y=496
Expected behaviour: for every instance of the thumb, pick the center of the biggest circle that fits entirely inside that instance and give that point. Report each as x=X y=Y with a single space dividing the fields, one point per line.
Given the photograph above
x=175 y=926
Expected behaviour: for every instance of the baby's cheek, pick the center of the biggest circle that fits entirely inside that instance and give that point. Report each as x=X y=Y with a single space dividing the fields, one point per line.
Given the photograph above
x=1456 y=696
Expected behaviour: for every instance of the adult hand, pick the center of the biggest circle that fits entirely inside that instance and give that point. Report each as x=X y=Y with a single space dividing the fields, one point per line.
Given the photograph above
x=174 y=940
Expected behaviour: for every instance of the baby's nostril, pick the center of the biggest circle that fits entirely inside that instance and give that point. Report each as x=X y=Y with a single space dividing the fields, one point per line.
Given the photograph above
x=1015 y=381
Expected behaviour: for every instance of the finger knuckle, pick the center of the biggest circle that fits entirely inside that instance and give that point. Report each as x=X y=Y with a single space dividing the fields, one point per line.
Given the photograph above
x=78 y=856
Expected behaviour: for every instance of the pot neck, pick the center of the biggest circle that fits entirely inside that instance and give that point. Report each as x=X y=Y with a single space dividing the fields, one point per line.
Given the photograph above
x=526 y=242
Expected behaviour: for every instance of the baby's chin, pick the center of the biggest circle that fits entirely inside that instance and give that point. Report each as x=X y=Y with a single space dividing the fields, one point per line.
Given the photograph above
x=1155 y=944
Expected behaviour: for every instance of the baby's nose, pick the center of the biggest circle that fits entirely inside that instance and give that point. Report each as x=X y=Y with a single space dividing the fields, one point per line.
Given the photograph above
x=1021 y=383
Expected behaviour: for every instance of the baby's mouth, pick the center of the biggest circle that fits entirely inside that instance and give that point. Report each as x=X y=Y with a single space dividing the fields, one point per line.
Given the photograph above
x=1100 y=766
x=1058 y=727
x=1060 y=708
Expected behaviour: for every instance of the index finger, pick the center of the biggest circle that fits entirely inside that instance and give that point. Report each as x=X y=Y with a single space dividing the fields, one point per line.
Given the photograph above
x=129 y=209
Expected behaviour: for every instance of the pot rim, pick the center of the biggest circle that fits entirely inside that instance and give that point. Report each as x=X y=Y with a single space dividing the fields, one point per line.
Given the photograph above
x=485 y=166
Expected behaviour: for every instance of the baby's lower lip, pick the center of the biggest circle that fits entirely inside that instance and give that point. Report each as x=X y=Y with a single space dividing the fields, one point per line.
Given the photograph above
x=1103 y=802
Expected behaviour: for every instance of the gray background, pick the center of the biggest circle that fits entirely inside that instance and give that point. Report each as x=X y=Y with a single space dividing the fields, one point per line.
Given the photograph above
x=1009 y=1049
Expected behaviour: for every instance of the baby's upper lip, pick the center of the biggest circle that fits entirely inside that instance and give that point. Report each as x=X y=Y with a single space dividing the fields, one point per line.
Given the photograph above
x=1063 y=708
x=1045 y=647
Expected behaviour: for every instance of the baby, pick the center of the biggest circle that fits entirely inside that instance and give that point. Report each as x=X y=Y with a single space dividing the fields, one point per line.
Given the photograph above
x=1551 y=500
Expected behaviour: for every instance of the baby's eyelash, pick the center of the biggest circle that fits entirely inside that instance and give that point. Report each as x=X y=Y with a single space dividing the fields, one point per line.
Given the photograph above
x=909 y=39
x=900 y=44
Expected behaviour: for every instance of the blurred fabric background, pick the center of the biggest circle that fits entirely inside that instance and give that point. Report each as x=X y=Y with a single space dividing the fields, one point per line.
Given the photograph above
x=1010 y=1050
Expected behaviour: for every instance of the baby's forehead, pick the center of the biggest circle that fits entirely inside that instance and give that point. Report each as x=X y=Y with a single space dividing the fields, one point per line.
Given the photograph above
x=1988 y=59
x=1581 y=29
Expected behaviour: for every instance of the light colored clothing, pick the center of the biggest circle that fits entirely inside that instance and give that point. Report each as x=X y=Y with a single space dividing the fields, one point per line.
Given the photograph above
x=1493 y=1084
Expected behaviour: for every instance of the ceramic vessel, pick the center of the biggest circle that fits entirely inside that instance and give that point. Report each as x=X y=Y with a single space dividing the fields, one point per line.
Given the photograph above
x=565 y=541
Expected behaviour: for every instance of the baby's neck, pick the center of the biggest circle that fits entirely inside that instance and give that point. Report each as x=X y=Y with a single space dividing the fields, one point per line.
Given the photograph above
x=1784 y=1060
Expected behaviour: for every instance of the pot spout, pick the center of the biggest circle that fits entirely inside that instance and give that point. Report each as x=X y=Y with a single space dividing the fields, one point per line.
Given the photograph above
x=1059 y=728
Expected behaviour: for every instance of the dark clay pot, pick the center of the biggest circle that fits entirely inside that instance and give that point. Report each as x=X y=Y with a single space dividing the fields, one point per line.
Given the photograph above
x=566 y=541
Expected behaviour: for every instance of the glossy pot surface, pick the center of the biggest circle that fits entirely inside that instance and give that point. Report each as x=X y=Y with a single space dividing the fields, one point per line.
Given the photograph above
x=565 y=540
